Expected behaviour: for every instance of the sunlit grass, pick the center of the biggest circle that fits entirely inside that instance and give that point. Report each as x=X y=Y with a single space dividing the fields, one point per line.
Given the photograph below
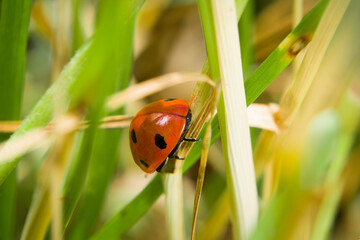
x=79 y=181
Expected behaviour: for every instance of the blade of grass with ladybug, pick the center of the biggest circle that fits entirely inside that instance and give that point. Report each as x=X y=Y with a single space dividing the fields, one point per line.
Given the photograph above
x=249 y=84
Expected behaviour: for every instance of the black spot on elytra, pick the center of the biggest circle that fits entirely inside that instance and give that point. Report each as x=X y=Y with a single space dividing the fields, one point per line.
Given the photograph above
x=133 y=136
x=160 y=141
x=144 y=163
x=169 y=99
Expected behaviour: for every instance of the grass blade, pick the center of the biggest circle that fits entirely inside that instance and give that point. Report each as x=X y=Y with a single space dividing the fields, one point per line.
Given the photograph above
x=41 y=114
x=105 y=147
x=283 y=55
x=78 y=38
x=14 y=22
x=128 y=216
x=334 y=183
x=235 y=129
x=104 y=63
x=15 y=15
x=312 y=60
x=46 y=202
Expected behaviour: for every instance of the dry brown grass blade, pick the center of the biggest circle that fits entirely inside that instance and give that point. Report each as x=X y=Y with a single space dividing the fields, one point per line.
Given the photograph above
x=47 y=203
x=203 y=159
x=153 y=85
x=262 y=116
x=9 y=126
x=32 y=140
x=64 y=133
x=119 y=121
x=60 y=45
x=42 y=23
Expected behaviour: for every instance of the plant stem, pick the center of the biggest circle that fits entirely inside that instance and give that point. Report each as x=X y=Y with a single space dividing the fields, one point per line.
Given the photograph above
x=236 y=135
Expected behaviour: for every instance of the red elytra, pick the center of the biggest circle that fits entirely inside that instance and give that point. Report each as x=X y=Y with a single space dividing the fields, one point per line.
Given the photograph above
x=156 y=132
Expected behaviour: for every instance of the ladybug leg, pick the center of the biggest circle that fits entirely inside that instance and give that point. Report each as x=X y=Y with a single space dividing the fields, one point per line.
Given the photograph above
x=191 y=139
x=173 y=152
x=161 y=165
x=180 y=158
x=184 y=139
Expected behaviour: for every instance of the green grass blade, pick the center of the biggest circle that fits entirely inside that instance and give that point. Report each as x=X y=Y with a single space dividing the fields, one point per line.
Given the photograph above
x=39 y=215
x=349 y=110
x=41 y=114
x=129 y=215
x=77 y=31
x=7 y=207
x=104 y=63
x=72 y=81
x=105 y=147
x=14 y=22
x=327 y=213
x=246 y=32
x=75 y=180
x=277 y=213
x=283 y=55
x=321 y=143
x=327 y=144
x=210 y=39
x=97 y=60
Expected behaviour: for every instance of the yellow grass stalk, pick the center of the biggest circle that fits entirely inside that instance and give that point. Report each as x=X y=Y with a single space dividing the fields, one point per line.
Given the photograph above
x=203 y=158
x=173 y=189
x=239 y=162
x=298 y=8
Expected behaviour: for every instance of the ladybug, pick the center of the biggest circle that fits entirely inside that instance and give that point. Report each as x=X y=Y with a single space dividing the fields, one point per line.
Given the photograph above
x=157 y=131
